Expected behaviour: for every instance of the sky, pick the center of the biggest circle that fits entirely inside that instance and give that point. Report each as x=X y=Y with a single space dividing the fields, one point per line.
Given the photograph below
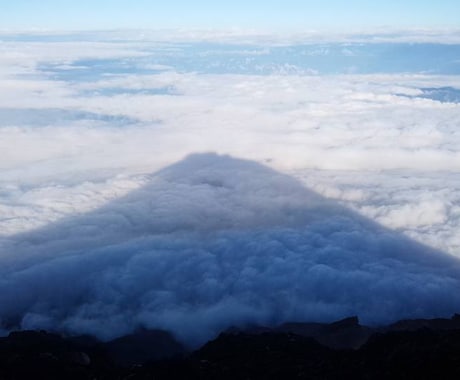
x=271 y=15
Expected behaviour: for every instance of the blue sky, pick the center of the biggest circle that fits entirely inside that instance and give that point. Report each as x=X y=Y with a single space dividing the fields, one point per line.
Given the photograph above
x=248 y=14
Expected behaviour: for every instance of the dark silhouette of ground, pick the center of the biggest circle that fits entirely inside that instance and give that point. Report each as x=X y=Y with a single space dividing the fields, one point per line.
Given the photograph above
x=391 y=353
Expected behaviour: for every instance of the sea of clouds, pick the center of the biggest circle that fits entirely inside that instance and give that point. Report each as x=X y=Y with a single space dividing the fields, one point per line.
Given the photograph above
x=192 y=186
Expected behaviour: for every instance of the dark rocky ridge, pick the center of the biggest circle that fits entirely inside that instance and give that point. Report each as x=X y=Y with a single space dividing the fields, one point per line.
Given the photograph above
x=408 y=349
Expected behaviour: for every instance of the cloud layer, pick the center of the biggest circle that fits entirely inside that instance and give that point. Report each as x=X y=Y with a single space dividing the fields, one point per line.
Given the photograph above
x=104 y=226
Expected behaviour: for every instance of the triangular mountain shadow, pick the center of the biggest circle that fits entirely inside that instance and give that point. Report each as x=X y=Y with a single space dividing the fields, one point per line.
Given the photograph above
x=214 y=241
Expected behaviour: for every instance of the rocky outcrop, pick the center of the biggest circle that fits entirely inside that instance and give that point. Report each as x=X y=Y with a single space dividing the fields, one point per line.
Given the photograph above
x=435 y=324
x=343 y=334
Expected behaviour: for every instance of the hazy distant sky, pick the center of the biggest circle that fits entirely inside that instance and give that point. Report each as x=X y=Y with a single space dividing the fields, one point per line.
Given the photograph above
x=253 y=14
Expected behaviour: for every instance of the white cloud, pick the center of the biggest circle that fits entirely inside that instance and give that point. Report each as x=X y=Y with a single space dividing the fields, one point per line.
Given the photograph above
x=96 y=237
x=251 y=36
x=425 y=213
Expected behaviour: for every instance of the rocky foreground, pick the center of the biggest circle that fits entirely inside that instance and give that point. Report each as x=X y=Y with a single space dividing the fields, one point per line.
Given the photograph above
x=411 y=349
